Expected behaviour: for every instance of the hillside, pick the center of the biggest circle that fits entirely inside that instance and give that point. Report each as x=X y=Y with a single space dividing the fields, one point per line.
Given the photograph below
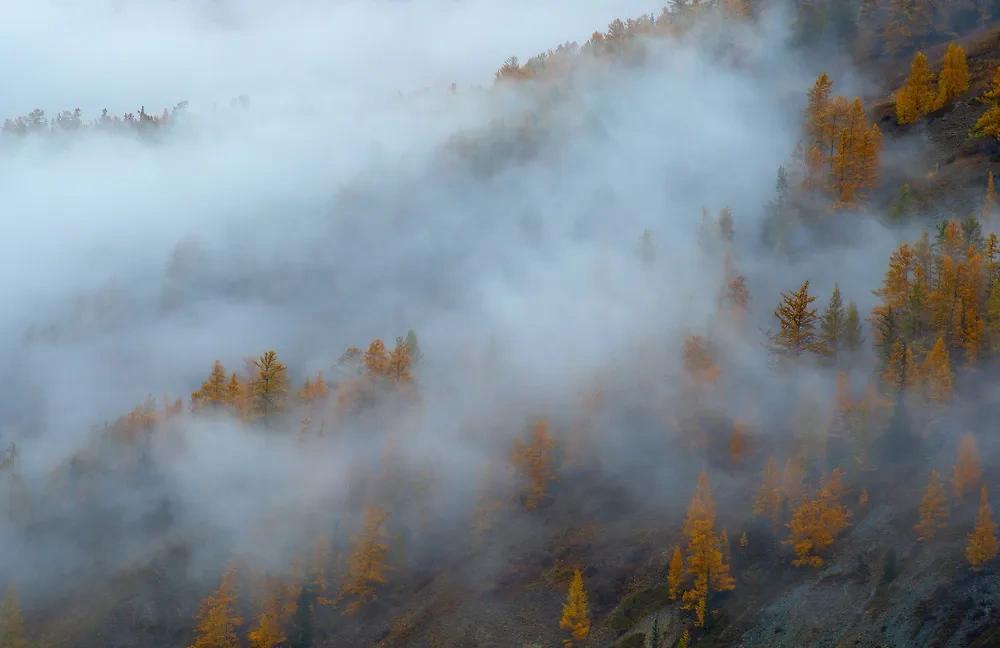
x=643 y=335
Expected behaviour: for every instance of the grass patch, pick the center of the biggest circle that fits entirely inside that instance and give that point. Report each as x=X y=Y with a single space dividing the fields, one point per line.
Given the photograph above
x=636 y=607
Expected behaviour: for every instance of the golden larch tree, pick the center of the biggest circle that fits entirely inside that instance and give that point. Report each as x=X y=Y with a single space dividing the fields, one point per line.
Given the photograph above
x=917 y=96
x=12 y=633
x=739 y=445
x=798 y=322
x=954 y=78
x=933 y=510
x=901 y=372
x=218 y=617
x=534 y=460
x=699 y=365
x=576 y=616
x=982 y=545
x=269 y=633
x=268 y=387
x=967 y=473
x=768 y=499
x=675 y=574
x=705 y=560
x=936 y=374
x=367 y=562
x=793 y=481
x=988 y=124
x=817 y=521
x=214 y=392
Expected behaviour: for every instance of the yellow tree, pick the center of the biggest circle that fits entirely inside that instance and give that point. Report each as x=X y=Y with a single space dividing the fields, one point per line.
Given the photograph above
x=12 y=633
x=269 y=633
x=214 y=392
x=798 y=322
x=218 y=617
x=675 y=574
x=767 y=501
x=699 y=366
x=817 y=521
x=534 y=460
x=901 y=372
x=576 y=617
x=917 y=96
x=954 y=78
x=936 y=374
x=367 y=562
x=268 y=387
x=933 y=509
x=988 y=124
x=982 y=546
x=967 y=473
x=705 y=561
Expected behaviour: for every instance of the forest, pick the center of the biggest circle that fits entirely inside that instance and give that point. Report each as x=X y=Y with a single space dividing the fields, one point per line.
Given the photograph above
x=581 y=367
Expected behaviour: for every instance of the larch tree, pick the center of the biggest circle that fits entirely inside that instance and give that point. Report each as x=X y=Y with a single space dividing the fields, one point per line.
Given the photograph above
x=214 y=392
x=954 y=78
x=967 y=473
x=269 y=632
x=988 y=124
x=534 y=460
x=982 y=545
x=793 y=481
x=699 y=364
x=413 y=346
x=367 y=562
x=218 y=617
x=12 y=634
x=816 y=522
x=901 y=372
x=705 y=560
x=768 y=499
x=933 y=510
x=936 y=374
x=833 y=322
x=675 y=574
x=917 y=96
x=576 y=616
x=268 y=388
x=798 y=321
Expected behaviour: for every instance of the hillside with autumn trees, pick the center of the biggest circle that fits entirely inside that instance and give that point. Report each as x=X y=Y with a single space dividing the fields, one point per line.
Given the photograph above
x=684 y=336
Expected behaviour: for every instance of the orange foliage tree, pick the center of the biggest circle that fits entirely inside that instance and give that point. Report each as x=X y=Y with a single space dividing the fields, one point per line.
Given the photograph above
x=534 y=460
x=218 y=617
x=705 y=561
x=982 y=545
x=817 y=521
x=967 y=472
x=933 y=509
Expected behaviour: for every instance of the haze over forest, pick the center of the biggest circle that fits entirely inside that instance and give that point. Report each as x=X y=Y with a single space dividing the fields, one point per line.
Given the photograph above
x=341 y=327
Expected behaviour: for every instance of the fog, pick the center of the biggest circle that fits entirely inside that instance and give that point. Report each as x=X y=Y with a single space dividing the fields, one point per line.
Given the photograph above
x=329 y=212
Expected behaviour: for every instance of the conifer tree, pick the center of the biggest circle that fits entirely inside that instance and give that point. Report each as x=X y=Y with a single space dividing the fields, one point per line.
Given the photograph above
x=988 y=124
x=833 y=323
x=982 y=546
x=936 y=374
x=699 y=364
x=416 y=355
x=268 y=388
x=954 y=78
x=576 y=616
x=268 y=633
x=933 y=509
x=12 y=633
x=768 y=499
x=816 y=522
x=917 y=97
x=367 y=562
x=218 y=618
x=675 y=574
x=705 y=560
x=853 y=337
x=901 y=372
x=798 y=321
x=214 y=392
x=534 y=460
x=967 y=473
